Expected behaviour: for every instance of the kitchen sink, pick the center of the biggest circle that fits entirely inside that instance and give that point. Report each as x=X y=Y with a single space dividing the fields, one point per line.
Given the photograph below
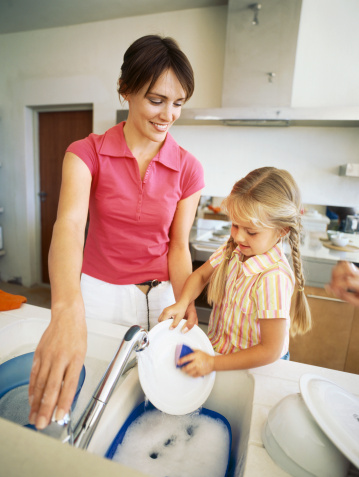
x=232 y=397
x=21 y=336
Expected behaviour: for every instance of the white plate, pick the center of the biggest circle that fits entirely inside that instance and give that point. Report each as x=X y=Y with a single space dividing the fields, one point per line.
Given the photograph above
x=336 y=411
x=168 y=388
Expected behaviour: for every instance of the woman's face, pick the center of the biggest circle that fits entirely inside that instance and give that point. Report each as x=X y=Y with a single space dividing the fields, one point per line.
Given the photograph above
x=152 y=114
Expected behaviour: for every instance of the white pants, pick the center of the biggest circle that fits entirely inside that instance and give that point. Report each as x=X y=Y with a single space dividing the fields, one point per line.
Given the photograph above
x=124 y=304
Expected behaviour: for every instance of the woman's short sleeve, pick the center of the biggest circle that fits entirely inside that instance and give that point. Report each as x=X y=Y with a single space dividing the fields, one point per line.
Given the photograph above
x=86 y=150
x=192 y=177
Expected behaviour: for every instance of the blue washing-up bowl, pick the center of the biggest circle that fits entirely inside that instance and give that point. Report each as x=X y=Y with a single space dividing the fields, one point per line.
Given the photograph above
x=146 y=406
x=16 y=372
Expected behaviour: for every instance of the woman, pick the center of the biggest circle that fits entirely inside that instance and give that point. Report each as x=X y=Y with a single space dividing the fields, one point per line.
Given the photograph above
x=142 y=191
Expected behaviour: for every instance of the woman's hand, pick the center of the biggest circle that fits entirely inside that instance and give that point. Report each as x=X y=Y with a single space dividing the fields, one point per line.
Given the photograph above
x=191 y=317
x=57 y=364
x=176 y=311
x=345 y=282
x=199 y=364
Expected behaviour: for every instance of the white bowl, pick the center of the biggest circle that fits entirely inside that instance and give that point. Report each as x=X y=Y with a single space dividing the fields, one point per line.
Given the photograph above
x=339 y=241
x=296 y=443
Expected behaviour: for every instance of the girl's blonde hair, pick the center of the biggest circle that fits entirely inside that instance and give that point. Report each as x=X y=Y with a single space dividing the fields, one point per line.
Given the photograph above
x=270 y=198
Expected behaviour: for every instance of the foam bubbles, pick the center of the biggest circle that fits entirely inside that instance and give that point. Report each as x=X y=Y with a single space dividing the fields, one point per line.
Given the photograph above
x=14 y=405
x=163 y=445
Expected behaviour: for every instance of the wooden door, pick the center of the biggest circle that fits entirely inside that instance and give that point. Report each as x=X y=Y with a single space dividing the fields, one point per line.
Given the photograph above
x=56 y=131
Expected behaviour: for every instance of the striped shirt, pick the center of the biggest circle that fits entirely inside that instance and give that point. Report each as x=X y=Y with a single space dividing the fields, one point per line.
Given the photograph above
x=259 y=288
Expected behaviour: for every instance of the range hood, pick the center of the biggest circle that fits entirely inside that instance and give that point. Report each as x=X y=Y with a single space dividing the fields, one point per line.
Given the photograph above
x=260 y=49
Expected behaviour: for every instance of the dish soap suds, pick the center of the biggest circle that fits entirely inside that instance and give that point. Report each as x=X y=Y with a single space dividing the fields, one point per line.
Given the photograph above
x=163 y=445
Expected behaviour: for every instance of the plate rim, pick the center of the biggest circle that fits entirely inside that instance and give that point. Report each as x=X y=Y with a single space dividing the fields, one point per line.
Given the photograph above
x=210 y=378
x=304 y=382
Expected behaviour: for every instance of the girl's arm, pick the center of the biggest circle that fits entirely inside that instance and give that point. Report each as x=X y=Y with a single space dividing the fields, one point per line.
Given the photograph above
x=193 y=286
x=61 y=352
x=179 y=256
x=273 y=332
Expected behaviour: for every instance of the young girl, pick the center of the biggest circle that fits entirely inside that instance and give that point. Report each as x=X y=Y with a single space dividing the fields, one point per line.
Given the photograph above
x=250 y=280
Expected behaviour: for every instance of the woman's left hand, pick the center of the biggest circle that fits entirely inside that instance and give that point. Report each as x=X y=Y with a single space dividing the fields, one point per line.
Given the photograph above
x=178 y=312
x=191 y=317
x=199 y=364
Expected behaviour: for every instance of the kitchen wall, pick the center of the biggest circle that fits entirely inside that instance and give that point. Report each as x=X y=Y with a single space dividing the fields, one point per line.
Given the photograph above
x=80 y=65
x=328 y=41
x=311 y=154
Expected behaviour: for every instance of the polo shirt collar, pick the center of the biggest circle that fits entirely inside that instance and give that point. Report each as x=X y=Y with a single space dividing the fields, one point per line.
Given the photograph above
x=259 y=263
x=114 y=144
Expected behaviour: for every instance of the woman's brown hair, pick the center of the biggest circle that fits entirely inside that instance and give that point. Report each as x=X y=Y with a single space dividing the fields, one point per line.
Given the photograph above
x=268 y=197
x=150 y=56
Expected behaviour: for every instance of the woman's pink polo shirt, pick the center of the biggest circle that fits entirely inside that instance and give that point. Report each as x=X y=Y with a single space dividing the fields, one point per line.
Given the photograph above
x=130 y=219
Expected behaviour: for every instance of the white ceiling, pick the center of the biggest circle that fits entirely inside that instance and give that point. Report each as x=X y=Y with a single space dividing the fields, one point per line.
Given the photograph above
x=24 y=15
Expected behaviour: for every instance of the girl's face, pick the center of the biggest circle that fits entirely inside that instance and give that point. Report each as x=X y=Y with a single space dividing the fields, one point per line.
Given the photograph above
x=152 y=114
x=253 y=240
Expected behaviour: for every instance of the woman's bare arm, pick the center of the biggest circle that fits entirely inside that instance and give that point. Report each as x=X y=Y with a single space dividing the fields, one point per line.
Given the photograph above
x=61 y=352
x=179 y=256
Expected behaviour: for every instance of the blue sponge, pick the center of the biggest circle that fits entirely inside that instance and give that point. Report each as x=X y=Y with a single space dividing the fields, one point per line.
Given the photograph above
x=181 y=350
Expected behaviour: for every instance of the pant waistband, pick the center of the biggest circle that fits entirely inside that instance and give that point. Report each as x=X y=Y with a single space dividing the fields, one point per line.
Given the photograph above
x=150 y=283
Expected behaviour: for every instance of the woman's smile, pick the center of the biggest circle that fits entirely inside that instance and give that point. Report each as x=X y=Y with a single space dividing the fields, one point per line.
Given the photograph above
x=160 y=127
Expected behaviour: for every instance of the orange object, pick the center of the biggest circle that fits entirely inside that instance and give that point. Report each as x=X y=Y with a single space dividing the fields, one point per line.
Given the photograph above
x=216 y=210
x=10 y=302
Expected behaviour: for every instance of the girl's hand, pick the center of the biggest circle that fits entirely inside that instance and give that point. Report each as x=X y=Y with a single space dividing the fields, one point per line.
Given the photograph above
x=199 y=364
x=176 y=311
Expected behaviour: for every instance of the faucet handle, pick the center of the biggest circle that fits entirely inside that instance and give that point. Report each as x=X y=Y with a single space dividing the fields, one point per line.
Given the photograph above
x=140 y=334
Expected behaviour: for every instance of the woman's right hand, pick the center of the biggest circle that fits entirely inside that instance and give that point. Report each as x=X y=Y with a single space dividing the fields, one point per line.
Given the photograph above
x=57 y=364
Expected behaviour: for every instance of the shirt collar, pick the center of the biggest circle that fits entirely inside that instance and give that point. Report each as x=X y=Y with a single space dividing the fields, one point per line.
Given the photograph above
x=114 y=144
x=260 y=263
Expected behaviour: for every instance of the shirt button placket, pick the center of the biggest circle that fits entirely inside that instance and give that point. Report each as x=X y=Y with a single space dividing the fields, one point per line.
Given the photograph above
x=139 y=203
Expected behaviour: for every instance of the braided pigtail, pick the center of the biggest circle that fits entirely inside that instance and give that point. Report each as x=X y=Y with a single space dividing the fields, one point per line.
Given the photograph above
x=218 y=279
x=301 y=317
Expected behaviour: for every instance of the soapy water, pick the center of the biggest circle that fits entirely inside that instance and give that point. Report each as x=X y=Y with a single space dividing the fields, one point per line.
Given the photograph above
x=163 y=445
x=14 y=405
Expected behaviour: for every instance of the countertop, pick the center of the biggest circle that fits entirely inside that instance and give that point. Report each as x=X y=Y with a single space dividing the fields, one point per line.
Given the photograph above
x=313 y=248
x=23 y=452
x=318 y=260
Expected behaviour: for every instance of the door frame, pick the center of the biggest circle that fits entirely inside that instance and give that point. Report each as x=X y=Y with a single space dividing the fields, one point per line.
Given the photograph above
x=32 y=135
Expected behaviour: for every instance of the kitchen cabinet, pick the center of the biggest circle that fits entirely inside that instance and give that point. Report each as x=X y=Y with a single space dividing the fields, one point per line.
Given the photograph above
x=333 y=340
x=352 y=361
x=317 y=272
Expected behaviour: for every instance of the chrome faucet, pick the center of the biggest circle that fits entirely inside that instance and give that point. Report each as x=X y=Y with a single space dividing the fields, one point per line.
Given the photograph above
x=135 y=339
